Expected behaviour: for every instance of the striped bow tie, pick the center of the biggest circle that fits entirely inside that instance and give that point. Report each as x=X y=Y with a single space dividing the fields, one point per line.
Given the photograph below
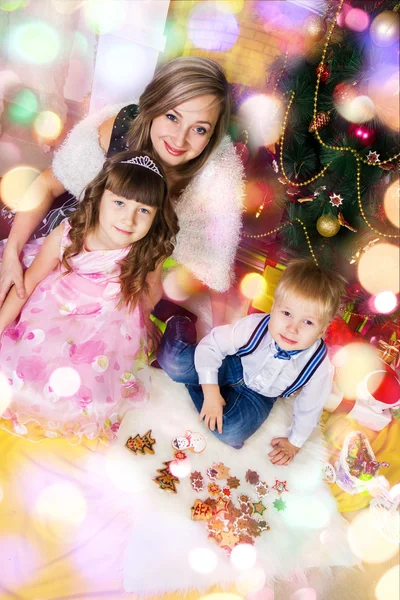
x=285 y=354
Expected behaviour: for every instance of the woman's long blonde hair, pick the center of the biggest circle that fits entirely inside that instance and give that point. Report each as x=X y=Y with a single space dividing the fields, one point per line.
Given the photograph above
x=176 y=82
x=138 y=183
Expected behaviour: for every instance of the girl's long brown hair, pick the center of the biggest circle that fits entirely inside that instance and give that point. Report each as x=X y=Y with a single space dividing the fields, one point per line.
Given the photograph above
x=176 y=82
x=132 y=182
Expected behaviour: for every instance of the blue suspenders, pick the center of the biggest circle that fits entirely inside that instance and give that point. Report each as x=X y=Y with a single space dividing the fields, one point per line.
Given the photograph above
x=307 y=371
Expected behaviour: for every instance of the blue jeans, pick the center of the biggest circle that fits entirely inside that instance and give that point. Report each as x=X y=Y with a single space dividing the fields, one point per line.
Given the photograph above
x=245 y=409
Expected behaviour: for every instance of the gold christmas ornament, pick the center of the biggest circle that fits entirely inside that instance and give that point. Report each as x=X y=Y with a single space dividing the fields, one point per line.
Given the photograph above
x=314 y=28
x=328 y=225
x=385 y=29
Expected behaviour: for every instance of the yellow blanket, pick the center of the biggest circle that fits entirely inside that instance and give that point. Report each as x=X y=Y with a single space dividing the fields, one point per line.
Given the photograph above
x=386 y=447
x=45 y=556
x=52 y=545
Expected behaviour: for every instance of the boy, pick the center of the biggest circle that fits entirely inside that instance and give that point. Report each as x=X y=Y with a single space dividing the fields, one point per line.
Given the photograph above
x=236 y=373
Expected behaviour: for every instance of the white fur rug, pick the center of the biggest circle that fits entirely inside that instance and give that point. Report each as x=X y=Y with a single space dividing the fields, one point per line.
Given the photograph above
x=308 y=533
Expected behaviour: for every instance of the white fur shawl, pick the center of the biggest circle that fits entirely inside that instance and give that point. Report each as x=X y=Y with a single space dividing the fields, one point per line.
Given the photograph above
x=209 y=208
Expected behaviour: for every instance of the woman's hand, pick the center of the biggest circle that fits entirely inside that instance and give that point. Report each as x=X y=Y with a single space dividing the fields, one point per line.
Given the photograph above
x=11 y=274
x=154 y=336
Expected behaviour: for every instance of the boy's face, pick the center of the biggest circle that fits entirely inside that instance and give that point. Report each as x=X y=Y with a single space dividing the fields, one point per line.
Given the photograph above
x=295 y=324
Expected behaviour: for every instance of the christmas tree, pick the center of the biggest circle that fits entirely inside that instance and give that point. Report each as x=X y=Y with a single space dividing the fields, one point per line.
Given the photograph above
x=338 y=155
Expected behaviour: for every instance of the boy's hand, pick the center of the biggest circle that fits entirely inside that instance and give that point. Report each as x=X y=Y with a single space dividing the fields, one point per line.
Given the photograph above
x=211 y=411
x=283 y=451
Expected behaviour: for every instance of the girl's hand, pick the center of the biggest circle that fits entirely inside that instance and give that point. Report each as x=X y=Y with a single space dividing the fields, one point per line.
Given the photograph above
x=11 y=274
x=283 y=451
x=154 y=336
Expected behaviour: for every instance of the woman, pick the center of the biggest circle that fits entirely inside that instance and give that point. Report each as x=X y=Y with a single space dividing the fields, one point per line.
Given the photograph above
x=182 y=118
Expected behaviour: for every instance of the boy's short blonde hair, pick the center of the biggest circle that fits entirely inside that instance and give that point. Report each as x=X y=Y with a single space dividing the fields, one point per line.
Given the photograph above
x=304 y=279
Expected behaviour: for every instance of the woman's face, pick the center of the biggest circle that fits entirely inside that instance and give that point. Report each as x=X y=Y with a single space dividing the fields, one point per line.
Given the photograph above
x=183 y=132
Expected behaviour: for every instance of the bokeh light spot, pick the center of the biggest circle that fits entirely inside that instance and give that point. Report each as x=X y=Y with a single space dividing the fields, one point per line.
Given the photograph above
x=14 y=185
x=104 y=16
x=203 y=560
x=385 y=302
x=346 y=8
x=8 y=81
x=10 y=154
x=233 y=6
x=221 y=596
x=251 y=581
x=388 y=587
x=60 y=508
x=306 y=511
x=10 y=5
x=243 y=556
x=383 y=89
x=353 y=363
x=180 y=468
x=23 y=107
x=212 y=29
x=253 y=285
x=67 y=7
x=379 y=269
x=391 y=203
x=357 y=110
x=65 y=381
x=47 y=124
x=304 y=594
x=367 y=543
x=356 y=19
x=35 y=43
x=173 y=288
x=262 y=116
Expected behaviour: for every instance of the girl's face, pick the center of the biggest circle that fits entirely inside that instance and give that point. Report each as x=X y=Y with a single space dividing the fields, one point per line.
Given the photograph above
x=122 y=222
x=183 y=132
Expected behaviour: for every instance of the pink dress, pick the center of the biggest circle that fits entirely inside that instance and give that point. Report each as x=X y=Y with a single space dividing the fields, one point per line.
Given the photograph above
x=74 y=361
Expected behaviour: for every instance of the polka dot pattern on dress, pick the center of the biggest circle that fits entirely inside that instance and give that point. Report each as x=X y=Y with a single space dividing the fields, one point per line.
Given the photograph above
x=120 y=129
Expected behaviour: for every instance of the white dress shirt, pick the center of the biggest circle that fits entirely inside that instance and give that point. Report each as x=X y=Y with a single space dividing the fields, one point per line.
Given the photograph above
x=267 y=375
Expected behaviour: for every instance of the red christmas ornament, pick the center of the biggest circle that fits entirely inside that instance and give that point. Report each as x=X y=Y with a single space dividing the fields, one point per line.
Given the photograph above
x=365 y=135
x=339 y=334
x=343 y=92
x=354 y=289
x=323 y=69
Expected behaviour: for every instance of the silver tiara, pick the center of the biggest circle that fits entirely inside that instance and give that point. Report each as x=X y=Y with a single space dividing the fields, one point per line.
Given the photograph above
x=143 y=161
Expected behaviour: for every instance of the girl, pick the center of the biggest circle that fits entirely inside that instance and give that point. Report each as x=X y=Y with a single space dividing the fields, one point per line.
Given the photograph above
x=76 y=357
x=182 y=118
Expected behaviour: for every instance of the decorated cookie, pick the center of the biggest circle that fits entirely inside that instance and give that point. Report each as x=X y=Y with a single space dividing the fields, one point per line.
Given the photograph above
x=212 y=474
x=141 y=444
x=280 y=486
x=233 y=482
x=222 y=470
x=262 y=489
x=259 y=508
x=197 y=481
x=165 y=480
x=252 y=477
x=214 y=489
x=202 y=511
x=279 y=504
x=190 y=441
